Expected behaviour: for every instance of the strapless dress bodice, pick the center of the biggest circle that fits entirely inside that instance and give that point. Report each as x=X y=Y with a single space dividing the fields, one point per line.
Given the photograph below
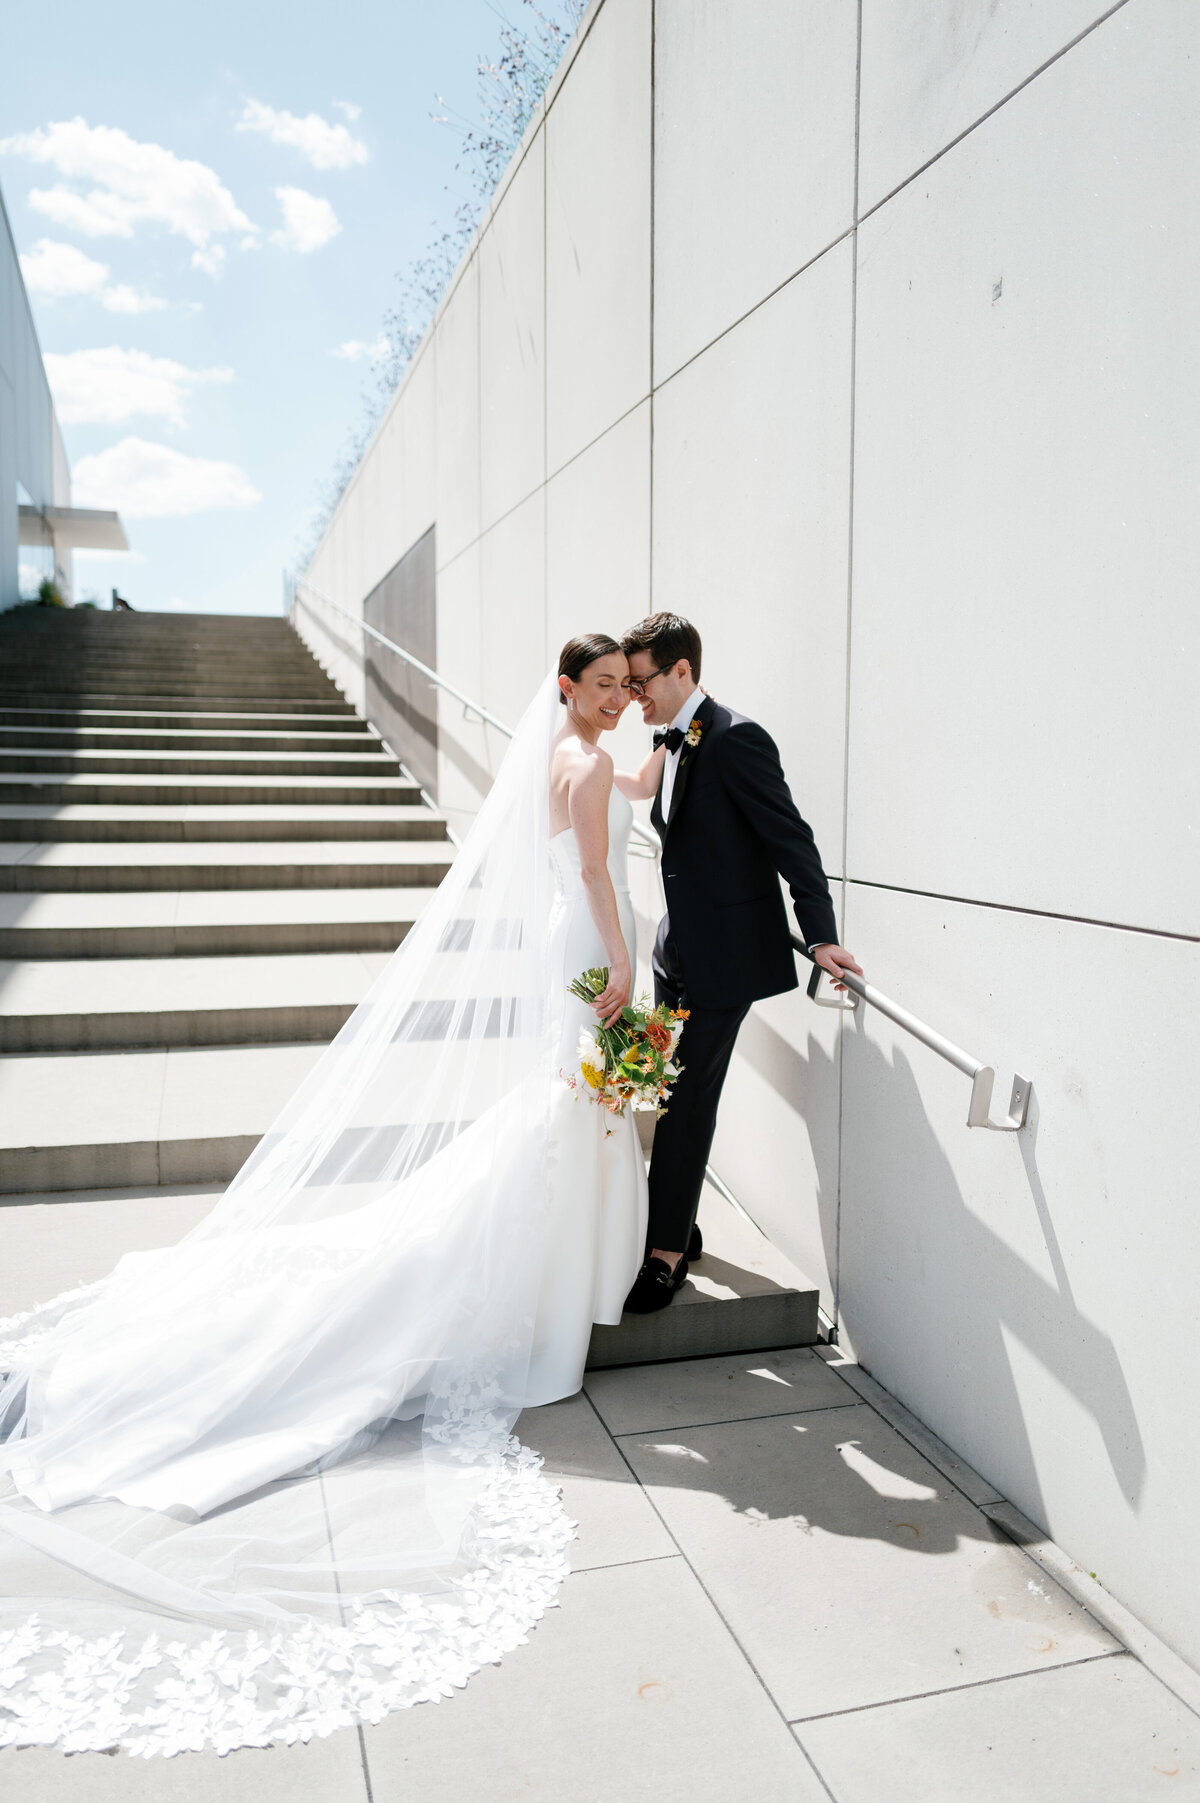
x=564 y=850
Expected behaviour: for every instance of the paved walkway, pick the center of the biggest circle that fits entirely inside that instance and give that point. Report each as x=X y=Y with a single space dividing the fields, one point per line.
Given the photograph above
x=784 y=1589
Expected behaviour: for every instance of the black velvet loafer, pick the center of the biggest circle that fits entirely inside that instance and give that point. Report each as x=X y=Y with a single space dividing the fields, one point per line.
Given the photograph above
x=655 y=1285
x=695 y=1245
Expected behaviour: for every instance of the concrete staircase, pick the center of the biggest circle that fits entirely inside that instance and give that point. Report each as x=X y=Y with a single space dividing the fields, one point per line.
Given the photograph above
x=206 y=857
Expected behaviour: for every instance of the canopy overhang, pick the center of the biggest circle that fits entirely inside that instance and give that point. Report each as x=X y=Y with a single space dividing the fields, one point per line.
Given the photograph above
x=72 y=528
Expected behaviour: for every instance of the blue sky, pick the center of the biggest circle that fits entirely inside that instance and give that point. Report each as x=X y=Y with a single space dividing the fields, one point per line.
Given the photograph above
x=244 y=185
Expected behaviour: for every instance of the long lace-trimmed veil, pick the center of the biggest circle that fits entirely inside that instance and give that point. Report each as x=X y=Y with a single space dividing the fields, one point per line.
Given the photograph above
x=261 y=1484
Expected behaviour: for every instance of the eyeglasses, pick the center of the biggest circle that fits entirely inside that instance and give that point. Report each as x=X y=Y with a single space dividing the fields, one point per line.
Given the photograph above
x=639 y=684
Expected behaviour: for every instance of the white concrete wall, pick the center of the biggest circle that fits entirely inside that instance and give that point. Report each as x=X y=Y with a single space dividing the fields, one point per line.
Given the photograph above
x=864 y=336
x=31 y=450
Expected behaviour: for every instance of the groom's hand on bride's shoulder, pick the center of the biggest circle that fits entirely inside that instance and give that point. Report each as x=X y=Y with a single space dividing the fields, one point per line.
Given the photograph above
x=836 y=960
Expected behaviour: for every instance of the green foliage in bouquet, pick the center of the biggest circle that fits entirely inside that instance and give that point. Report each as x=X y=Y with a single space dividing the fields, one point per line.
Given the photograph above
x=631 y=1062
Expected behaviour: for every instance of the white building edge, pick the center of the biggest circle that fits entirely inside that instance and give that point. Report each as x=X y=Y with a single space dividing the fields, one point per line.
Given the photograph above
x=860 y=335
x=36 y=514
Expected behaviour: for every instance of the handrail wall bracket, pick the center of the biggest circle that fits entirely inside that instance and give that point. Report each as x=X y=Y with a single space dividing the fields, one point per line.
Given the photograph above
x=979 y=1114
x=983 y=1076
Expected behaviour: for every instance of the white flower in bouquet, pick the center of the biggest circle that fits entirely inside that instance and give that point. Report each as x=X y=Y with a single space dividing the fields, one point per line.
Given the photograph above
x=591 y=1059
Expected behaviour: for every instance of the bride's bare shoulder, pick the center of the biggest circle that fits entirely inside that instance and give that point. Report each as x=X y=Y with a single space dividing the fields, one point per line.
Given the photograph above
x=574 y=758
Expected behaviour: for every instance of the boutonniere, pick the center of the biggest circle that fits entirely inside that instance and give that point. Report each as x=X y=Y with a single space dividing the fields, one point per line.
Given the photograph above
x=692 y=735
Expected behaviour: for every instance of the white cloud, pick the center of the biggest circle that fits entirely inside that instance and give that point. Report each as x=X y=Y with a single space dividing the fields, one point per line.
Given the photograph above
x=134 y=181
x=56 y=270
x=308 y=220
x=324 y=145
x=96 y=215
x=152 y=481
x=211 y=261
x=121 y=298
x=356 y=349
x=106 y=385
x=59 y=271
x=348 y=107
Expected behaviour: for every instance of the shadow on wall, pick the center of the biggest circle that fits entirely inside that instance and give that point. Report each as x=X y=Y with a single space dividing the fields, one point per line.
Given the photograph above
x=475 y=773
x=940 y=1238
x=803 y=1083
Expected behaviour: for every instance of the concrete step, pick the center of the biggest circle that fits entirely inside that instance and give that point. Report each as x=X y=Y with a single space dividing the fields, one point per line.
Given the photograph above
x=106 y=1004
x=101 y=622
x=23 y=648
x=260 y=739
x=203 y=658
x=16 y=689
x=179 y=720
x=177 y=790
x=78 y=821
x=741 y=1296
x=80 y=701
x=281 y=864
x=161 y=923
x=247 y=676
x=75 y=1120
x=180 y=1115
x=242 y=671
x=198 y=763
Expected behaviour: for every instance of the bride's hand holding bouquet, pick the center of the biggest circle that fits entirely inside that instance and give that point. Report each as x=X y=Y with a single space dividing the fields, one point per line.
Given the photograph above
x=629 y=1060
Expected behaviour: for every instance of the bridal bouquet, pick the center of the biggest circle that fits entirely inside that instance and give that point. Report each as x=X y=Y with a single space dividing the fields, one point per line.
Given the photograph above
x=632 y=1062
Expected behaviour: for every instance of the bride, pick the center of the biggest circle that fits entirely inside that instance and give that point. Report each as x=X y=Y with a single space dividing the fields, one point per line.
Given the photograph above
x=262 y=1484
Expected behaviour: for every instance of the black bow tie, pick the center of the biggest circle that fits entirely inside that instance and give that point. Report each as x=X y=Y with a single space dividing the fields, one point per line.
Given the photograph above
x=670 y=736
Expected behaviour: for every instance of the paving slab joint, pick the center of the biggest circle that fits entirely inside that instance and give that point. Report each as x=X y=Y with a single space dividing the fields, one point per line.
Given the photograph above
x=1159 y=1659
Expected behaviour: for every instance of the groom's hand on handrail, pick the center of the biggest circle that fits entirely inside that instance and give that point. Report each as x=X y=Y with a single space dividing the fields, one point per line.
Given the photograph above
x=836 y=959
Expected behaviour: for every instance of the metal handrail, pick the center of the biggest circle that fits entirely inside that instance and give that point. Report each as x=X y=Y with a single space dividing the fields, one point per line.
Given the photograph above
x=473 y=707
x=983 y=1076
x=469 y=706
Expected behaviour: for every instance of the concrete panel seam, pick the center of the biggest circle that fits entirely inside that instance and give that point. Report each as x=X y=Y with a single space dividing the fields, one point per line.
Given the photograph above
x=818 y=1408
x=541 y=487
x=943 y=1458
x=769 y=296
x=1140 y=1641
x=1160 y=1660
x=836 y=1272
x=949 y=1690
x=972 y=901
x=700 y=1581
x=1003 y=101
x=582 y=33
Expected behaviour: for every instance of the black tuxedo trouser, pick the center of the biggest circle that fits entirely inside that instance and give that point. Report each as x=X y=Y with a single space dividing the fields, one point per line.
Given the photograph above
x=684 y=1135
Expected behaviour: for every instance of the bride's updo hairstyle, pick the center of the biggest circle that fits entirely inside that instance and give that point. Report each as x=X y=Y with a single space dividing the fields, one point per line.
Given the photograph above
x=577 y=654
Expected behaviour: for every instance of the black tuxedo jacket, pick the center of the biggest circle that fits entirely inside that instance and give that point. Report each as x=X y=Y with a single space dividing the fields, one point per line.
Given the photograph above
x=733 y=831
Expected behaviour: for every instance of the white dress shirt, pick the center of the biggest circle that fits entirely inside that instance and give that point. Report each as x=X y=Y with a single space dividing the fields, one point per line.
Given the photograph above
x=683 y=720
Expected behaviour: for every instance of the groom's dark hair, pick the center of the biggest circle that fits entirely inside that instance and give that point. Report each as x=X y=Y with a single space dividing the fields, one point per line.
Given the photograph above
x=667 y=637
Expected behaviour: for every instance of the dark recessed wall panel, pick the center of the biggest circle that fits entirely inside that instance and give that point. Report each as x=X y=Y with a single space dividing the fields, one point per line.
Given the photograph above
x=399 y=701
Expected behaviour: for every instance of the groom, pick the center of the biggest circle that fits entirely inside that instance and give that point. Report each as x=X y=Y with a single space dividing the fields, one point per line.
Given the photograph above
x=729 y=830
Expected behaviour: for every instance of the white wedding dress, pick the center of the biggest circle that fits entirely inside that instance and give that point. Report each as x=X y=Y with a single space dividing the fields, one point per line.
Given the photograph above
x=262 y=1484
x=596 y=1229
